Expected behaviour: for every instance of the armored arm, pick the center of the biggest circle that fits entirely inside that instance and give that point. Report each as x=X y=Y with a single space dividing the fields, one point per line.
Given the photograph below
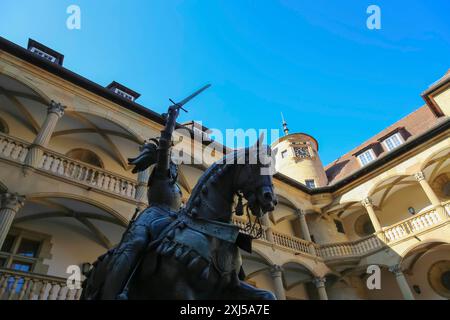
x=165 y=143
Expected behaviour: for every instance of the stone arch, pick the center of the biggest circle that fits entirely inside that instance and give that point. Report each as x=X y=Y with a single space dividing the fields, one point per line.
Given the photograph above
x=110 y=117
x=111 y=211
x=431 y=157
x=304 y=266
x=87 y=156
x=379 y=184
x=426 y=244
x=263 y=256
x=45 y=99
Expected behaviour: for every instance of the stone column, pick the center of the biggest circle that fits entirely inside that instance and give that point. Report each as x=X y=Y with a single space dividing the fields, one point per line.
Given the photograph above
x=266 y=222
x=54 y=112
x=10 y=205
x=402 y=283
x=420 y=177
x=276 y=272
x=305 y=230
x=368 y=204
x=320 y=285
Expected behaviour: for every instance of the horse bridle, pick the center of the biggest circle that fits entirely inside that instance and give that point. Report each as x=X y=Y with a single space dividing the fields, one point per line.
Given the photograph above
x=253 y=229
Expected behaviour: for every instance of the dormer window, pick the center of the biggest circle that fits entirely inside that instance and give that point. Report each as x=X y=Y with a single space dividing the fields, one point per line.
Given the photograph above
x=45 y=52
x=366 y=157
x=310 y=183
x=124 y=94
x=393 y=141
x=123 y=91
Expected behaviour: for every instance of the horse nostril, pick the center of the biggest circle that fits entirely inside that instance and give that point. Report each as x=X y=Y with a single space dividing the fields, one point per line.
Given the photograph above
x=275 y=202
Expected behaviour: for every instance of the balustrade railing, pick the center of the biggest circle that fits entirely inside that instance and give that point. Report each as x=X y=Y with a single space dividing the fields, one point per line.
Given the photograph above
x=17 y=285
x=349 y=249
x=13 y=149
x=90 y=175
x=242 y=224
x=399 y=231
x=60 y=165
x=294 y=243
x=412 y=225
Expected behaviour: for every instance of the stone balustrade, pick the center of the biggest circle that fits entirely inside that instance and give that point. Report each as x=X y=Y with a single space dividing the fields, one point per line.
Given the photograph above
x=293 y=243
x=17 y=285
x=413 y=225
x=70 y=169
x=13 y=149
x=350 y=249
x=89 y=175
x=242 y=224
x=362 y=247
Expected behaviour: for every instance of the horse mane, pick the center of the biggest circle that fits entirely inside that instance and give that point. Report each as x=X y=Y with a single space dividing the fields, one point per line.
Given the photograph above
x=214 y=171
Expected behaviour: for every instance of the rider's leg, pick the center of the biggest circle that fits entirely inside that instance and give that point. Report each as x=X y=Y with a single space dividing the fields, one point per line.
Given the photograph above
x=126 y=257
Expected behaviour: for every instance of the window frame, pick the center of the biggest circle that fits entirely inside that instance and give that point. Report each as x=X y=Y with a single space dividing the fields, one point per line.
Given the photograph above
x=307 y=181
x=13 y=256
x=368 y=151
x=392 y=136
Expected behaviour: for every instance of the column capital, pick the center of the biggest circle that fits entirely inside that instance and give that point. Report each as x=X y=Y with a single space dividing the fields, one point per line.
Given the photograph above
x=12 y=201
x=57 y=108
x=396 y=269
x=276 y=271
x=367 y=202
x=419 y=176
x=300 y=212
x=319 y=282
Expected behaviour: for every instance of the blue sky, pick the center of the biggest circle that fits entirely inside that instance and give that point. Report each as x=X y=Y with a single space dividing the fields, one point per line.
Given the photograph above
x=316 y=61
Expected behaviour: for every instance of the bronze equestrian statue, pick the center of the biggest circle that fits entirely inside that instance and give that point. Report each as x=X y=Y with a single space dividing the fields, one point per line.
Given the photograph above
x=192 y=252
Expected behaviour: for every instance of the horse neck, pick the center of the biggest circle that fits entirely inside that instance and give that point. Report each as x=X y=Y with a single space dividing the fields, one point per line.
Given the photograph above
x=214 y=199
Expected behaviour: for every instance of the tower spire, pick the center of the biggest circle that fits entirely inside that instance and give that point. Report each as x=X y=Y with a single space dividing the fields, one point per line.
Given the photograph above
x=285 y=127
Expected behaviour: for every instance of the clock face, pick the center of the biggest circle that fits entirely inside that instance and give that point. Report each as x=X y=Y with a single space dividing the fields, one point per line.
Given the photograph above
x=301 y=152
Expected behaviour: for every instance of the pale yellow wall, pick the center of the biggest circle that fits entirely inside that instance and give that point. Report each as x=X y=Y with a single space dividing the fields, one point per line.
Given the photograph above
x=349 y=224
x=340 y=290
x=419 y=274
x=72 y=244
x=324 y=230
x=299 y=170
x=389 y=288
x=263 y=281
x=16 y=129
x=396 y=206
x=298 y=292
x=443 y=101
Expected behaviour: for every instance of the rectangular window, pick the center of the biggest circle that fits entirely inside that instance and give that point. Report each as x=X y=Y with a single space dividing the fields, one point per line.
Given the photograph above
x=310 y=183
x=28 y=248
x=43 y=54
x=339 y=226
x=21 y=250
x=366 y=157
x=393 y=142
x=284 y=154
x=123 y=94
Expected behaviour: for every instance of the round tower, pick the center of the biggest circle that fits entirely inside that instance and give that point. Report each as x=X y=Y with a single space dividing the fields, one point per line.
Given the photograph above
x=297 y=157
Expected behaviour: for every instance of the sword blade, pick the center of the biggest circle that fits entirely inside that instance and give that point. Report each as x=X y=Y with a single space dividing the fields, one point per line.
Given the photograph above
x=192 y=96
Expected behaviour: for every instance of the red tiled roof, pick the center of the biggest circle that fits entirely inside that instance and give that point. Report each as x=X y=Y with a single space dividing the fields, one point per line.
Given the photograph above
x=413 y=125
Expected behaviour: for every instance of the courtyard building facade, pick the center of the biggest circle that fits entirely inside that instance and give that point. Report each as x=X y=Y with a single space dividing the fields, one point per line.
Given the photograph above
x=67 y=192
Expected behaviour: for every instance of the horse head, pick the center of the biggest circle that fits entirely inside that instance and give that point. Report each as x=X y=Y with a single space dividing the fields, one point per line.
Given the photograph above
x=254 y=178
